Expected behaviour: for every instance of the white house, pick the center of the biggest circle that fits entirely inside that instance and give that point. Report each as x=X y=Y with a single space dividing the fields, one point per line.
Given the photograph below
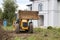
x=49 y=12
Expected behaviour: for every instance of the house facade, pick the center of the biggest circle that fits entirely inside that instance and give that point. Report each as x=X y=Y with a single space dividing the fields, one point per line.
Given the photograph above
x=49 y=13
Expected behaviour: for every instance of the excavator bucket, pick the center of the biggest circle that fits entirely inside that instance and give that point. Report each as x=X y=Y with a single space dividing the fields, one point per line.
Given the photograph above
x=28 y=15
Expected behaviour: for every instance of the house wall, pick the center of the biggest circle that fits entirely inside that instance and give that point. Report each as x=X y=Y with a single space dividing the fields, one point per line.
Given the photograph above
x=44 y=12
x=29 y=8
x=58 y=12
x=51 y=12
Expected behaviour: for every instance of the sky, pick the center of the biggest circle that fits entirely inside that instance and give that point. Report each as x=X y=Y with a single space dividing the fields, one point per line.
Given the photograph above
x=21 y=4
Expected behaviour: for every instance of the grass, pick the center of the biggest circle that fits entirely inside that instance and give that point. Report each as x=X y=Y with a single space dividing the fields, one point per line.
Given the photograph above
x=9 y=28
x=40 y=34
x=16 y=38
x=44 y=34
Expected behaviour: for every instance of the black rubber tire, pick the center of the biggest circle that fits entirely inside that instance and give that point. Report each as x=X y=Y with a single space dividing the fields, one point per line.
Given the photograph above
x=26 y=31
x=30 y=28
x=17 y=30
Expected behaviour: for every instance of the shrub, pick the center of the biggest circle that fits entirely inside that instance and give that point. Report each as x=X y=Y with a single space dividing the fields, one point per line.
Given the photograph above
x=49 y=27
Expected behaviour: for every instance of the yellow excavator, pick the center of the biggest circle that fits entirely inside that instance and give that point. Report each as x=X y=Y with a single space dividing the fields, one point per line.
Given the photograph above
x=24 y=22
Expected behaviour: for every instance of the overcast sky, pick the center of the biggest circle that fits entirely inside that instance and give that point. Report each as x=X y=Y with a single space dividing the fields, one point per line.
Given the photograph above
x=21 y=3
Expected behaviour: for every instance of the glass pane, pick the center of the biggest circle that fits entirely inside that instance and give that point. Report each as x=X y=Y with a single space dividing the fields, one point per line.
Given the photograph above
x=40 y=7
x=25 y=24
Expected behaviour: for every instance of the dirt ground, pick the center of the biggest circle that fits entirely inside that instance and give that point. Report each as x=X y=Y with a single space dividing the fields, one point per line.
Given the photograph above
x=21 y=34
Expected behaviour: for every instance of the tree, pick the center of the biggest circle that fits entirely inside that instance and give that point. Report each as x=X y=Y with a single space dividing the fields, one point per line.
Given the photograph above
x=0 y=13
x=9 y=10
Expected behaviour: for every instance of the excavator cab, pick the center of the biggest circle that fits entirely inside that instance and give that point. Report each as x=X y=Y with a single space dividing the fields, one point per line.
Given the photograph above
x=24 y=24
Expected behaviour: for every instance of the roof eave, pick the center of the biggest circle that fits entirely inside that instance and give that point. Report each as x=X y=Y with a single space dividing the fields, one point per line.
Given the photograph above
x=32 y=0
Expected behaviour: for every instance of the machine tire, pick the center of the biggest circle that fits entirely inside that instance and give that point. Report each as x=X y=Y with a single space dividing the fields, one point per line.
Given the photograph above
x=17 y=29
x=26 y=31
x=30 y=28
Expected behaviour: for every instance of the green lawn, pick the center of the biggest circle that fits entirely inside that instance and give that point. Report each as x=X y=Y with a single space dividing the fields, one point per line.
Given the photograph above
x=40 y=34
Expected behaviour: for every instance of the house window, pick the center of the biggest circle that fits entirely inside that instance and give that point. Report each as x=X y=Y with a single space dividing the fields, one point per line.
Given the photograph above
x=40 y=7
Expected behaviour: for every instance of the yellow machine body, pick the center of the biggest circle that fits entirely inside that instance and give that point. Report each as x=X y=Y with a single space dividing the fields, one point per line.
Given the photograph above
x=24 y=24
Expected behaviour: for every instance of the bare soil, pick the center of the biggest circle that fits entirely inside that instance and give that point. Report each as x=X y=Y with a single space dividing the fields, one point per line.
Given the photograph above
x=21 y=34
